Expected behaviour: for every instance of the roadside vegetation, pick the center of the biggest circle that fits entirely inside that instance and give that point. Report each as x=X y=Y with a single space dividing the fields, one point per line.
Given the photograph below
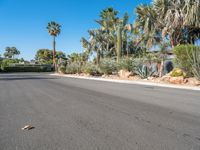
x=161 y=43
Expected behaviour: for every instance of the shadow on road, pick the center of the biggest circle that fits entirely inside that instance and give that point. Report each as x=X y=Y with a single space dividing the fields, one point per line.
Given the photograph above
x=26 y=78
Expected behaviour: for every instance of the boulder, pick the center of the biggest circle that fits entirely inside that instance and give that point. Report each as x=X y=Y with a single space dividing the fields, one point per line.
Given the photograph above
x=124 y=74
x=168 y=66
x=177 y=80
x=166 y=78
x=193 y=81
x=174 y=80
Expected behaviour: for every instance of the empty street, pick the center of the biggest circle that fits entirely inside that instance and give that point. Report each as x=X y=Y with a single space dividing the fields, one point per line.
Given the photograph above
x=77 y=114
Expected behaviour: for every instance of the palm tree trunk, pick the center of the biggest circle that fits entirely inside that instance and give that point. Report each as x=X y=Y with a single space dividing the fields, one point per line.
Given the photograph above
x=54 y=53
x=161 y=68
x=98 y=57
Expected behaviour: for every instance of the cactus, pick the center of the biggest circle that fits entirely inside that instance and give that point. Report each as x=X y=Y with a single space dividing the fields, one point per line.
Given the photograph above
x=119 y=43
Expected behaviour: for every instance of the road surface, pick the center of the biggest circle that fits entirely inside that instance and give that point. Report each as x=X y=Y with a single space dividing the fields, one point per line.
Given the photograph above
x=77 y=114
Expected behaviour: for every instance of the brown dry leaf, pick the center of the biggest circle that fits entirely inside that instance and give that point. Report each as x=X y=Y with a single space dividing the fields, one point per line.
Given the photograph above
x=28 y=127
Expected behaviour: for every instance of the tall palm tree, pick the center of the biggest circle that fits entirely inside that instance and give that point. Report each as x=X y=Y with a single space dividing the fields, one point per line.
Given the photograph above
x=176 y=20
x=98 y=42
x=54 y=30
x=145 y=26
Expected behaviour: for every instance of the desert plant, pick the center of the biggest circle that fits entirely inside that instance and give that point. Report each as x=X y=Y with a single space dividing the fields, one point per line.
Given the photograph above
x=73 y=68
x=108 y=66
x=141 y=68
x=62 y=69
x=195 y=61
x=183 y=53
x=177 y=72
x=125 y=64
x=91 y=69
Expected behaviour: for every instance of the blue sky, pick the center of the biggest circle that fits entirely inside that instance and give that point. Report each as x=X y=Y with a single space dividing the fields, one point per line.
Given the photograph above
x=23 y=22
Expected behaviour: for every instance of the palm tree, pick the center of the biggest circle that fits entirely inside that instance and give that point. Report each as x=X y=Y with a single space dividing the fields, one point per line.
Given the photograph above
x=10 y=52
x=176 y=20
x=145 y=27
x=98 y=42
x=54 y=30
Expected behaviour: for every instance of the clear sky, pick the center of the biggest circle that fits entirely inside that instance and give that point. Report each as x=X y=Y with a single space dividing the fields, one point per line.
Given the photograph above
x=23 y=22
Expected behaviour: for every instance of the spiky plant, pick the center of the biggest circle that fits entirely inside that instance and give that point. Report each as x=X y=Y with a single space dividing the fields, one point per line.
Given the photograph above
x=195 y=61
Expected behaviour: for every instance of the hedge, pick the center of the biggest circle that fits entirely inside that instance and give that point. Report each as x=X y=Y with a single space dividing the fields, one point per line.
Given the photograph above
x=183 y=53
x=28 y=68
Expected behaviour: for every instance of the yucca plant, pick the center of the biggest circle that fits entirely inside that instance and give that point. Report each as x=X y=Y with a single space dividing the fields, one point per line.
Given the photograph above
x=195 y=61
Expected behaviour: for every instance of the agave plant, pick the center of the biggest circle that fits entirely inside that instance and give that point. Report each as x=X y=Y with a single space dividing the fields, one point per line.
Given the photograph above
x=142 y=69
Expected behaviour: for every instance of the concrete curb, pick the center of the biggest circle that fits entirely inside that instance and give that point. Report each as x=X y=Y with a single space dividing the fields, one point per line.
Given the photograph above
x=131 y=82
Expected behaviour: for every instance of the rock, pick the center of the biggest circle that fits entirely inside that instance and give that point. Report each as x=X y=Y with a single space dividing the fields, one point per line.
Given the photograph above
x=174 y=80
x=151 y=78
x=168 y=66
x=177 y=80
x=166 y=78
x=104 y=76
x=124 y=74
x=193 y=81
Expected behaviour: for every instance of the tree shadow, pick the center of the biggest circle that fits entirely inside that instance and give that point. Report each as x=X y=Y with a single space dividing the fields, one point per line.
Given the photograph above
x=27 y=78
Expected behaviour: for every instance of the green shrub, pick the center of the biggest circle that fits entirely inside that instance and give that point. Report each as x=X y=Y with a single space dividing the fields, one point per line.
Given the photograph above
x=142 y=68
x=183 y=53
x=108 y=66
x=91 y=69
x=8 y=62
x=125 y=64
x=73 y=68
x=177 y=72
x=28 y=68
x=62 y=69
x=195 y=62
x=0 y=64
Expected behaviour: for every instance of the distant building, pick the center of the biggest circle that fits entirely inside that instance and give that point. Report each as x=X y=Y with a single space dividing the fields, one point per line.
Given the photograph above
x=169 y=53
x=33 y=62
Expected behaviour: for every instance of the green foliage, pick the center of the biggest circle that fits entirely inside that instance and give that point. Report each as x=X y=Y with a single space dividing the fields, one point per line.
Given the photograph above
x=27 y=68
x=73 y=68
x=54 y=28
x=11 y=52
x=45 y=56
x=177 y=72
x=77 y=57
x=141 y=68
x=125 y=64
x=0 y=63
x=183 y=53
x=195 y=62
x=91 y=69
x=62 y=69
x=176 y=20
x=8 y=62
x=108 y=66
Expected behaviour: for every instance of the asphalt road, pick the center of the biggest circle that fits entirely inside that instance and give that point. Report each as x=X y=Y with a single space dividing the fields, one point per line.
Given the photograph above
x=76 y=114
